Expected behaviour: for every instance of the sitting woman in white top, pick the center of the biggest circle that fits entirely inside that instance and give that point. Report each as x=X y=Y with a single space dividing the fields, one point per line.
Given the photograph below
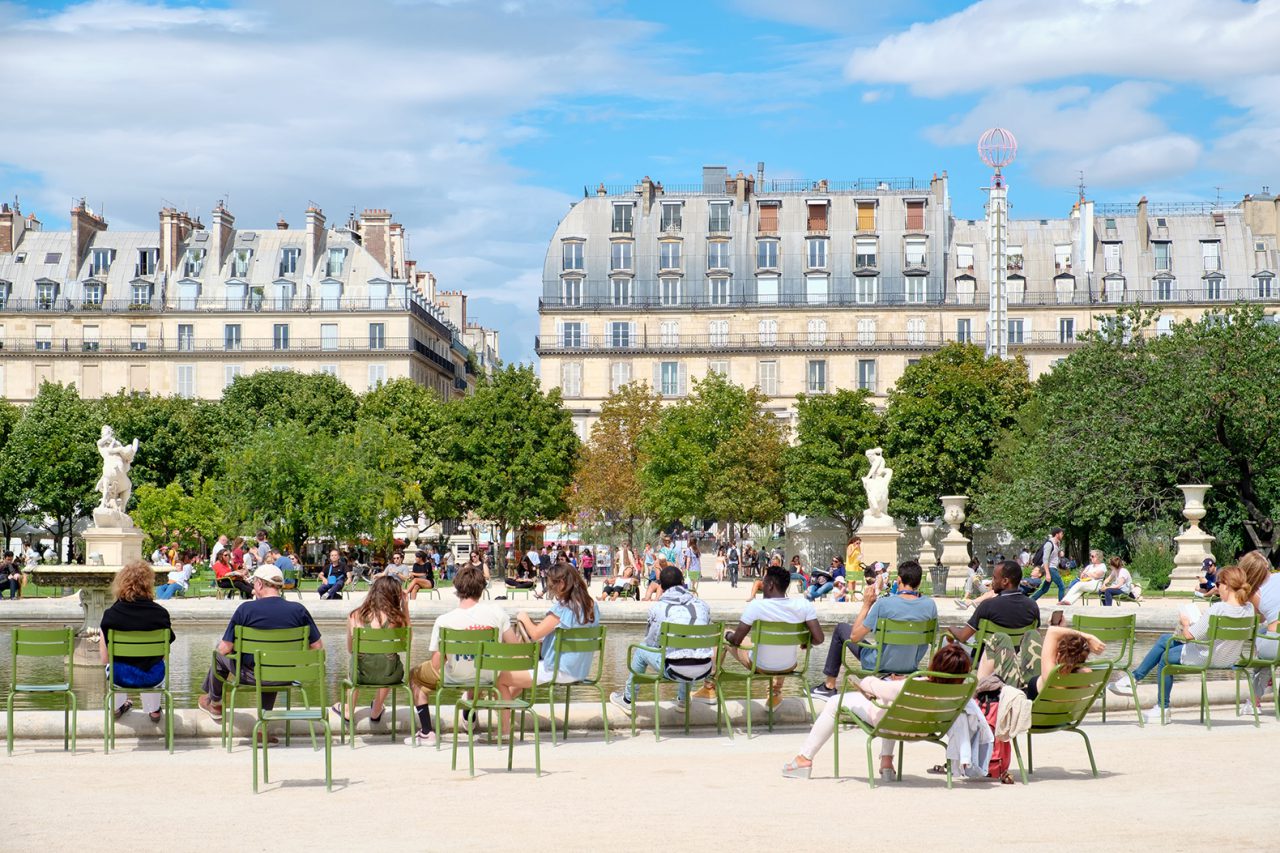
x=870 y=702
x=774 y=607
x=1118 y=582
x=573 y=608
x=1266 y=601
x=1089 y=580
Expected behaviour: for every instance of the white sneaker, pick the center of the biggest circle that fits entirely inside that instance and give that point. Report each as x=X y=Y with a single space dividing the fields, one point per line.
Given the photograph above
x=680 y=703
x=1121 y=687
x=619 y=700
x=1246 y=709
x=1152 y=716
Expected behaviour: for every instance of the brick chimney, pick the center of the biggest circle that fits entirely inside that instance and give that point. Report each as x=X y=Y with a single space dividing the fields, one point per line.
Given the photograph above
x=11 y=227
x=646 y=194
x=314 y=248
x=396 y=260
x=742 y=187
x=84 y=224
x=222 y=232
x=375 y=235
x=175 y=228
x=411 y=272
x=1144 y=231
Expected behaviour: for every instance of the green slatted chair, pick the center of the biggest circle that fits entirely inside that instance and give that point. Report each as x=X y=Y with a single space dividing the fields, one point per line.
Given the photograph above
x=289 y=671
x=1119 y=633
x=674 y=636
x=1060 y=706
x=44 y=643
x=569 y=641
x=1253 y=660
x=892 y=632
x=464 y=642
x=376 y=641
x=496 y=658
x=1222 y=629
x=136 y=644
x=922 y=712
x=251 y=641
x=771 y=634
x=987 y=629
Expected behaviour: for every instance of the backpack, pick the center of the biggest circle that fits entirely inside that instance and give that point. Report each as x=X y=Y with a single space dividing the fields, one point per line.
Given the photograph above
x=1037 y=559
x=1000 y=750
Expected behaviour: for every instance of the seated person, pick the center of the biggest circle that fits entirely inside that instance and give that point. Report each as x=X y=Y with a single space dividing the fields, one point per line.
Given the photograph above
x=908 y=604
x=840 y=591
x=774 y=607
x=267 y=610
x=396 y=568
x=1089 y=579
x=975 y=584
x=428 y=676
x=870 y=702
x=655 y=589
x=335 y=574
x=682 y=607
x=1209 y=583
x=228 y=577
x=1118 y=582
x=135 y=609
x=1033 y=582
x=822 y=581
x=621 y=585
x=178 y=580
x=10 y=576
x=757 y=586
x=525 y=577
x=383 y=607
x=1062 y=645
x=1006 y=605
x=421 y=575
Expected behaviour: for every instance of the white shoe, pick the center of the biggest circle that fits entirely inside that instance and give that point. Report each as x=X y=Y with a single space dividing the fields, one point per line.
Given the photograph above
x=1152 y=716
x=1121 y=687
x=1246 y=709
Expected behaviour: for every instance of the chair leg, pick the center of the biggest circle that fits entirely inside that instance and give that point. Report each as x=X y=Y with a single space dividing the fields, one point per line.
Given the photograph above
x=1017 y=753
x=568 y=690
x=1204 y=702
x=836 y=755
x=1031 y=762
x=328 y=757
x=108 y=718
x=871 y=770
x=902 y=745
x=537 y=746
x=72 y=698
x=1088 y=748
x=551 y=711
x=656 y=720
x=8 y=729
x=1133 y=686
x=439 y=691
x=604 y=714
x=1104 y=706
x=748 y=703
x=253 y=746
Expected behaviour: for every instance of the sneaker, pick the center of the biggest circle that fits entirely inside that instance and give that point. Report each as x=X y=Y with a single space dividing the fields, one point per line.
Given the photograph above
x=619 y=699
x=822 y=690
x=962 y=604
x=1152 y=716
x=213 y=709
x=681 y=704
x=1121 y=687
x=791 y=770
x=1198 y=594
x=421 y=739
x=1246 y=709
x=707 y=693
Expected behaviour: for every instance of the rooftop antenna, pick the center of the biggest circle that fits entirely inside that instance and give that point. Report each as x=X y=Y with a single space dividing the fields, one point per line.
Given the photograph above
x=1217 y=202
x=997 y=148
x=1080 y=185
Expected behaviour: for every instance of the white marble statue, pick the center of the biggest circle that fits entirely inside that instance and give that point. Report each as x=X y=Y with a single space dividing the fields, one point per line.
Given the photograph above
x=877 y=485
x=114 y=484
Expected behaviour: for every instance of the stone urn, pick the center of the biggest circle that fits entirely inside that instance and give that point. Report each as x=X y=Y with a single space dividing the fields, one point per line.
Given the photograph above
x=955 y=546
x=1193 y=543
x=953 y=509
x=1193 y=496
x=927 y=528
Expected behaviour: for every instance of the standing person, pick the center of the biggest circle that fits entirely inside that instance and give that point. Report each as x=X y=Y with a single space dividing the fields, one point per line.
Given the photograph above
x=228 y=577
x=650 y=557
x=10 y=576
x=588 y=564
x=1050 y=557
x=669 y=550
x=263 y=547
x=722 y=562
x=604 y=562
x=733 y=562
x=1089 y=579
x=268 y=610
x=335 y=575
x=692 y=559
x=1117 y=582
x=383 y=607
x=544 y=568
x=853 y=556
x=237 y=552
x=135 y=609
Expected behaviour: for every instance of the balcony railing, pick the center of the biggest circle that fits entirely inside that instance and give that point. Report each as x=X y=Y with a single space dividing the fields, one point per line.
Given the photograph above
x=798 y=342
x=210 y=346
x=775 y=187
x=218 y=304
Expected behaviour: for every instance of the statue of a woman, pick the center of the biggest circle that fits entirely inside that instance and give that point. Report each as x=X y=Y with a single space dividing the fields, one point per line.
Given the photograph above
x=877 y=485
x=117 y=459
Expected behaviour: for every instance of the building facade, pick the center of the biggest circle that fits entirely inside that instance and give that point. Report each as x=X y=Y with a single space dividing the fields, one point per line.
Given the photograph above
x=185 y=309
x=808 y=286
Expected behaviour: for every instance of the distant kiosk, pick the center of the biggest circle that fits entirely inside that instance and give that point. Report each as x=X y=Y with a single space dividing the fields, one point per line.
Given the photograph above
x=997 y=148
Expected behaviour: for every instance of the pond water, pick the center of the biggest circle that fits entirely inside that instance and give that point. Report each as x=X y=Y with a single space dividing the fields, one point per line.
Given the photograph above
x=191 y=654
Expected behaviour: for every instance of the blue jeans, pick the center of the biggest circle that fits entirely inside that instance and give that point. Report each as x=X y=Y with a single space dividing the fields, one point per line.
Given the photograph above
x=1155 y=660
x=332 y=588
x=1054 y=578
x=643 y=660
x=167 y=590
x=1109 y=594
x=818 y=590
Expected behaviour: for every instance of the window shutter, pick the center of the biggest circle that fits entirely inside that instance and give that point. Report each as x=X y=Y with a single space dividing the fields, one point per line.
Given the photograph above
x=657 y=376
x=817 y=216
x=768 y=218
x=915 y=216
x=684 y=379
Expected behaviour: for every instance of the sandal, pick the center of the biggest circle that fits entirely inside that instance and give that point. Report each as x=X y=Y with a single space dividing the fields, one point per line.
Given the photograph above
x=337 y=709
x=1006 y=779
x=124 y=709
x=938 y=770
x=156 y=716
x=794 y=771
x=378 y=718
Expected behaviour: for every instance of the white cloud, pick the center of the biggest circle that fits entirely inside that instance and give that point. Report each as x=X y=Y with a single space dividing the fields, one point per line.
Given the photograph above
x=872 y=96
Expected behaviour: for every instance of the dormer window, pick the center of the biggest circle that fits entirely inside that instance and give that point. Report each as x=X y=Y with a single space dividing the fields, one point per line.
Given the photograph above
x=46 y=293
x=148 y=260
x=140 y=294
x=240 y=259
x=100 y=261
x=1265 y=286
x=93 y=291
x=622 y=213
x=4 y=293
x=671 y=216
x=289 y=261
x=193 y=262
x=1013 y=258
x=336 y=261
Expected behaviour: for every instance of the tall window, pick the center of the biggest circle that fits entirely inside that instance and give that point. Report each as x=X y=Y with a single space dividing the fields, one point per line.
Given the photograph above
x=1062 y=257
x=1213 y=287
x=620 y=291
x=100 y=261
x=669 y=255
x=1064 y=288
x=916 y=288
x=767 y=290
x=186 y=381
x=817 y=248
x=231 y=337
x=328 y=336
x=46 y=293
x=718 y=217
x=1164 y=289
x=671 y=378
x=817 y=332
x=229 y=374
x=964 y=258
x=718 y=255
x=767 y=254
x=719 y=366
x=671 y=214
x=818 y=216
x=186 y=337
x=93 y=293
x=622 y=218
x=377 y=336
x=572 y=256
x=240 y=263
x=620 y=255
x=817 y=383
x=669 y=291
x=816 y=289
x=193 y=263
x=866 y=216
x=915 y=216
x=92 y=341
x=148 y=260
x=1211 y=251
x=964 y=330
x=377 y=375
x=138 y=338
x=966 y=290
x=915 y=251
x=289 y=260
x=336 y=260
x=1111 y=257
x=719 y=291
x=619 y=375
x=620 y=334
x=140 y=294
x=669 y=333
x=867 y=374
x=44 y=338
x=767 y=378
x=571 y=378
x=768 y=218
x=915 y=331
x=1161 y=253
x=718 y=333
x=866 y=289
x=330 y=295
x=1265 y=290
x=1066 y=330
x=864 y=253
x=1113 y=289
x=1013 y=258
x=867 y=331
x=280 y=336
x=572 y=290
x=768 y=332
x=1015 y=331
x=571 y=335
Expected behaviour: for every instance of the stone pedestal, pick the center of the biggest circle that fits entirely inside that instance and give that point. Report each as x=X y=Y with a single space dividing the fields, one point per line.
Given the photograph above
x=1193 y=543
x=880 y=542
x=955 y=545
x=113 y=546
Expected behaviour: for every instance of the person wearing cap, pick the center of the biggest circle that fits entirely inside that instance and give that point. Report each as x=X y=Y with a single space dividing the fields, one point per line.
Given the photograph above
x=267 y=610
x=1209 y=585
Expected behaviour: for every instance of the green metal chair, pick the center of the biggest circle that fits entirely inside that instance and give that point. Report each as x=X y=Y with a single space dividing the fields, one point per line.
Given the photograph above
x=1060 y=706
x=460 y=642
x=281 y=670
x=496 y=658
x=923 y=712
x=575 y=641
x=1119 y=633
x=44 y=643
x=987 y=629
x=376 y=641
x=892 y=632
x=251 y=642
x=673 y=636
x=773 y=635
x=136 y=644
x=1222 y=629
x=512 y=591
x=1253 y=660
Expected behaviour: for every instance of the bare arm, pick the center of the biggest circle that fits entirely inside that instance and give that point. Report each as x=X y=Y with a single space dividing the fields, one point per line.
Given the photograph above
x=815 y=632
x=1049 y=653
x=738 y=634
x=225 y=648
x=539 y=630
x=860 y=631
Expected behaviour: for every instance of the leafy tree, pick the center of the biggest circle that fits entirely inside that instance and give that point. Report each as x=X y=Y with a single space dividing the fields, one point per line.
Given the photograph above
x=417 y=414
x=825 y=466
x=606 y=483
x=514 y=449
x=942 y=422
x=12 y=499
x=268 y=398
x=276 y=478
x=178 y=439
x=171 y=513
x=55 y=460
x=745 y=487
x=366 y=484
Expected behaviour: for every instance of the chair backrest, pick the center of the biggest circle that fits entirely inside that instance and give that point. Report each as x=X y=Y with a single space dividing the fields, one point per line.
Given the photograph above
x=254 y=641
x=41 y=643
x=381 y=641
x=903 y=632
x=302 y=668
x=1065 y=697
x=1118 y=632
x=495 y=657
x=1229 y=629
x=675 y=635
x=925 y=709
x=466 y=642
x=787 y=634
x=987 y=628
x=588 y=640
x=138 y=644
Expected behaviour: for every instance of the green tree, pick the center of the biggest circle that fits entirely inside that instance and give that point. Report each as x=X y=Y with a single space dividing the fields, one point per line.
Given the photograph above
x=12 y=499
x=178 y=439
x=170 y=513
x=366 y=485
x=417 y=414
x=825 y=466
x=55 y=458
x=513 y=448
x=268 y=398
x=275 y=479
x=942 y=422
x=606 y=487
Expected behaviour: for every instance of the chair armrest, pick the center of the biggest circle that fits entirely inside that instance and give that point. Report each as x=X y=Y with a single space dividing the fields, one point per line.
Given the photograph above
x=631 y=650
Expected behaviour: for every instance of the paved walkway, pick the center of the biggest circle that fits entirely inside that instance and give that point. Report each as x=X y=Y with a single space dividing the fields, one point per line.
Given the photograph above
x=1156 y=792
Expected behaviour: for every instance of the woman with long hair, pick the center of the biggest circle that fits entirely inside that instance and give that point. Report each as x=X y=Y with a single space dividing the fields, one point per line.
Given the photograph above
x=573 y=608
x=135 y=609
x=383 y=607
x=525 y=577
x=229 y=577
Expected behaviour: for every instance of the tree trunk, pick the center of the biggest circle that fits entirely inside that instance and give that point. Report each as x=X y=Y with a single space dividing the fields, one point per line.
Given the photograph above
x=500 y=548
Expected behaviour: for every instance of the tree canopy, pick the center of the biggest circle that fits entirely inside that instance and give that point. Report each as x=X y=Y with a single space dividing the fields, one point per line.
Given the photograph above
x=606 y=483
x=825 y=465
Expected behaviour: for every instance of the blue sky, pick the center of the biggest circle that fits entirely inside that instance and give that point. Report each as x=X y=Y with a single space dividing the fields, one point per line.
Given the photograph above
x=478 y=122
